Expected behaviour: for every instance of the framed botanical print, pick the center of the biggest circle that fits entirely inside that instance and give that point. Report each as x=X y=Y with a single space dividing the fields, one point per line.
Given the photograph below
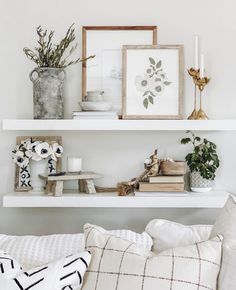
x=153 y=82
x=104 y=72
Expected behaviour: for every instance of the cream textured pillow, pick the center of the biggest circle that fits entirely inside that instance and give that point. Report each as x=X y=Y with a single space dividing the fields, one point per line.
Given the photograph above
x=121 y=265
x=167 y=234
x=226 y=225
x=66 y=273
x=32 y=251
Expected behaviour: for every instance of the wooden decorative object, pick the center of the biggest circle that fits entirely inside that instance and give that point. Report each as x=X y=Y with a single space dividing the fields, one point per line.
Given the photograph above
x=173 y=168
x=151 y=169
x=85 y=179
x=23 y=185
x=104 y=72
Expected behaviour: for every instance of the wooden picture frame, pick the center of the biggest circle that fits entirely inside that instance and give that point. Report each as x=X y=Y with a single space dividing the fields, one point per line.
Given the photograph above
x=22 y=184
x=104 y=72
x=159 y=95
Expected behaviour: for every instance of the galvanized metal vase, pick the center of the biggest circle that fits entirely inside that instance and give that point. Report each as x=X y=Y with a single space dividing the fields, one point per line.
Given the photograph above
x=48 y=86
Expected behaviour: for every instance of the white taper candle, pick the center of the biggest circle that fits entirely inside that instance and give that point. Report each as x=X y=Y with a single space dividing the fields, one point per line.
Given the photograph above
x=202 y=66
x=196 y=52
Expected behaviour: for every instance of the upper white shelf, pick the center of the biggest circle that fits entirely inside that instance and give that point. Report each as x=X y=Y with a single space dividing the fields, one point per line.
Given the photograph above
x=214 y=199
x=118 y=125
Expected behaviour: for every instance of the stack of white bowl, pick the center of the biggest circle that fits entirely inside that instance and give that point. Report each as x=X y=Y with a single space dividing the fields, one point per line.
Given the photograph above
x=94 y=101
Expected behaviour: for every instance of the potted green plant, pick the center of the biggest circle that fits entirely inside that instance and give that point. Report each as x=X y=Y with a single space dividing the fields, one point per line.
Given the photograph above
x=203 y=163
x=48 y=78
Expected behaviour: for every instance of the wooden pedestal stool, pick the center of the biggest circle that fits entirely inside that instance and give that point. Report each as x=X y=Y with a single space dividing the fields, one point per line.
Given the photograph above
x=55 y=184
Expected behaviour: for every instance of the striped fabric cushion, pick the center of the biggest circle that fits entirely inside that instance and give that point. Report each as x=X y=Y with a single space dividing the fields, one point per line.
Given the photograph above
x=121 y=265
x=66 y=273
x=32 y=251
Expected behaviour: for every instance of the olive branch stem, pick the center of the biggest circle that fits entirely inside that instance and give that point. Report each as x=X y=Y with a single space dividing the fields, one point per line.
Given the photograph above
x=48 y=54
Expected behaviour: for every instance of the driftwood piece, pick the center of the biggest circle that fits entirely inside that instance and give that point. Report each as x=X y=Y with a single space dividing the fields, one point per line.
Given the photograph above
x=89 y=186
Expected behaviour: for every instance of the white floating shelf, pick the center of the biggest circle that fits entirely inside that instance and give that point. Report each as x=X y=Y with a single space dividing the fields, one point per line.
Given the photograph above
x=118 y=125
x=214 y=199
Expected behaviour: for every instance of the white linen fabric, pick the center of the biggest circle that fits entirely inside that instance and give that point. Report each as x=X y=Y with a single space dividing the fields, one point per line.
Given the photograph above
x=167 y=234
x=32 y=251
x=226 y=225
x=66 y=273
x=118 y=264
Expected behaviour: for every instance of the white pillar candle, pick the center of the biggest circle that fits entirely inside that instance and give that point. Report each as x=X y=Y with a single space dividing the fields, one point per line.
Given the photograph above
x=196 y=52
x=74 y=164
x=202 y=66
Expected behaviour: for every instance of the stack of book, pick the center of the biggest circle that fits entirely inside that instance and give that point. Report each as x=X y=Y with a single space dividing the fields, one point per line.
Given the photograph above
x=162 y=186
x=108 y=115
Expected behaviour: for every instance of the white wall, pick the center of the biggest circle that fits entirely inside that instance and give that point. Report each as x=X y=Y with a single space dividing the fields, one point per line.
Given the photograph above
x=118 y=156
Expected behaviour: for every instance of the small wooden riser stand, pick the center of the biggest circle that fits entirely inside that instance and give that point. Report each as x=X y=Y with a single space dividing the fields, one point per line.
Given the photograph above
x=55 y=184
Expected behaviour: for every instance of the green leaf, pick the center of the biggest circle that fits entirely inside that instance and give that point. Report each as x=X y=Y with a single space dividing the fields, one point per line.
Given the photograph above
x=167 y=83
x=145 y=103
x=152 y=61
x=185 y=140
x=151 y=93
x=198 y=139
x=146 y=93
x=150 y=98
x=159 y=64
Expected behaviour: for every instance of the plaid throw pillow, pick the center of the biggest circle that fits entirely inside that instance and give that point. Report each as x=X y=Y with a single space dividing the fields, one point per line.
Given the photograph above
x=121 y=265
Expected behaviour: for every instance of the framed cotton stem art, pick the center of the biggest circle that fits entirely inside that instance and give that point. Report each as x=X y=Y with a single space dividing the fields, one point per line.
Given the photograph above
x=104 y=72
x=152 y=82
x=34 y=156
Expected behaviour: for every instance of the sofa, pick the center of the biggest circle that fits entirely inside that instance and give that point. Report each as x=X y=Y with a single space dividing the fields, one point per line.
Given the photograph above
x=167 y=255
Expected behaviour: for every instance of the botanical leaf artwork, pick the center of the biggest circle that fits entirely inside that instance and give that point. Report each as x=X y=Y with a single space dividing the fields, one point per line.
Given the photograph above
x=153 y=83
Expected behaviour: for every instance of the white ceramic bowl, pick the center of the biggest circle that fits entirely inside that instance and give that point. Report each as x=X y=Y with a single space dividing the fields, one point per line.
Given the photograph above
x=95 y=106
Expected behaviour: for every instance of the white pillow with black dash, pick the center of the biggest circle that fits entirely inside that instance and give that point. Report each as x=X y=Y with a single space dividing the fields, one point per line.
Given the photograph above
x=63 y=274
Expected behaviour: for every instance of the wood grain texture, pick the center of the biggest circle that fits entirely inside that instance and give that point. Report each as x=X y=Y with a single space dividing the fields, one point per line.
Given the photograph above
x=107 y=28
x=161 y=187
x=70 y=176
x=181 y=83
x=173 y=168
x=49 y=139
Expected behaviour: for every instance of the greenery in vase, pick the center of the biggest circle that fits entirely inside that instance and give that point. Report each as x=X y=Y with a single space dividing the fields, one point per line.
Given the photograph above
x=204 y=158
x=52 y=55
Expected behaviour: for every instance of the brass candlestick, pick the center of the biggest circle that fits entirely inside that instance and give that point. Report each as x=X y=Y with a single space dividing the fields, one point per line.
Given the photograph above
x=194 y=73
x=201 y=83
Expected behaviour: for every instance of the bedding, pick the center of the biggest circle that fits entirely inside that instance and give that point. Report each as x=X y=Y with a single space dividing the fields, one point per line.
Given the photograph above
x=167 y=234
x=118 y=264
x=66 y=273
x=32 y=251
x=226 y=225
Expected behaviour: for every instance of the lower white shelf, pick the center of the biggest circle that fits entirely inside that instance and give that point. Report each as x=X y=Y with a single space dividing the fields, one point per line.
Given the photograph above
x=214 y=199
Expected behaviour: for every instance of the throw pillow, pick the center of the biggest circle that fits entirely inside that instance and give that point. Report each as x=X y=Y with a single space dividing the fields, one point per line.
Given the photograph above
x=167 y=234
x=66 y=273
x=121 y=265
x=32 y=251
x=226 y=225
